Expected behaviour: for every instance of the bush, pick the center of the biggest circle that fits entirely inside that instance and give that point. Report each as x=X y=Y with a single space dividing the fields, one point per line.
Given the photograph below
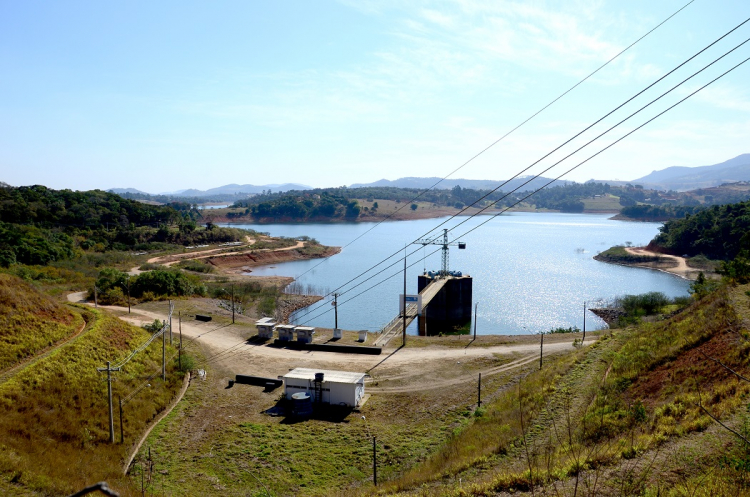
x=572 y=329
x=171 y=282
x=185 y=363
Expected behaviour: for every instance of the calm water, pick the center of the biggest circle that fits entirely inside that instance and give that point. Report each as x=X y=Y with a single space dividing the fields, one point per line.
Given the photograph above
x=532 y=271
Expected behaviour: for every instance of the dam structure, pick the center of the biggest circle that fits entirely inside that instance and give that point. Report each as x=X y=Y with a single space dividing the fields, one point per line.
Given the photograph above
x=446 y=302
x=443 y=304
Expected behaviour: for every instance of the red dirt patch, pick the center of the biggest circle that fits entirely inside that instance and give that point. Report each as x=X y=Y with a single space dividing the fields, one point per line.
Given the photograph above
x=689 y=366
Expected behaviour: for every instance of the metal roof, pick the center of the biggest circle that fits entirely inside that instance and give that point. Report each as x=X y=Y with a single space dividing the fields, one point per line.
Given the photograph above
x=329 y=376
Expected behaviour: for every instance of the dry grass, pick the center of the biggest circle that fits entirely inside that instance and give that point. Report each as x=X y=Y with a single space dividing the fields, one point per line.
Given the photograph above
x=54 y=417
x=30 y=321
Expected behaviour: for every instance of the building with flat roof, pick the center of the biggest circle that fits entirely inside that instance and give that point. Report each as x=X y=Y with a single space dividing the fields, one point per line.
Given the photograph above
x=305 y=333
x=285 y=331
x=326 y=387
x=265 y=327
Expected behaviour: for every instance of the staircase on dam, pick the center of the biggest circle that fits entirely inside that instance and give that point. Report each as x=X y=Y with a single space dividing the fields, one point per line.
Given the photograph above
x=446 y=304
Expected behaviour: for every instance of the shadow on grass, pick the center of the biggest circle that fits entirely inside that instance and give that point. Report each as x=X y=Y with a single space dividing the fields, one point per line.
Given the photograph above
x=322 y=412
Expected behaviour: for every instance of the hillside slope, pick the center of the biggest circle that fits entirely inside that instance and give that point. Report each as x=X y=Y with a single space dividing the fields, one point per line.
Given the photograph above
x=631 y=415
x=54 y=412
x=30 y=321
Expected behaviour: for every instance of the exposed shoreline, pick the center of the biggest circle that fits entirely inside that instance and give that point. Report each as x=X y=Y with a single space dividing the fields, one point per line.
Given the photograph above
x=403 y=215
x=665 y=263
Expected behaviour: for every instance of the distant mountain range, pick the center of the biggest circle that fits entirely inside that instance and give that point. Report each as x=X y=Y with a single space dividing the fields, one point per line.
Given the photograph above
x=677 y=178
x=681 y=178
x=475 y=184
x=221 y=190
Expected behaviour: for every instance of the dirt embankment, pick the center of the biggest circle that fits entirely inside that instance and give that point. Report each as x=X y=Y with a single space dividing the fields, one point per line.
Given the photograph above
x=642 y=257
x=262 y=258
x=287 y=304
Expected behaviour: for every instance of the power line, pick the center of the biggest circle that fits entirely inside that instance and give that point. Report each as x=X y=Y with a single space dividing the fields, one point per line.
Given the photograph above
x=547 y=155
x=577 y=150
x=506 y=135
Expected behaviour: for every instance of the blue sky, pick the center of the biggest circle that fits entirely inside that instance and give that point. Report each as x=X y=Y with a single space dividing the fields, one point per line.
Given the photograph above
x=170 y=95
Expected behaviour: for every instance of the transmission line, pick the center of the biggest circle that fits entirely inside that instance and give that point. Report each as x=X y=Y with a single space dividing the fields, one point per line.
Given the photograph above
x=577 y=150
x=503 y=137
x=545 y=156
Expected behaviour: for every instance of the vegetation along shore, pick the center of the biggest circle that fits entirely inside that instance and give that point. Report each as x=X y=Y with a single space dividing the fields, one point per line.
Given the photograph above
x=91 y=281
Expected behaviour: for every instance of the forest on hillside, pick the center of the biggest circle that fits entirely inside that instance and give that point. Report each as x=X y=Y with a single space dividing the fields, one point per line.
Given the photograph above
x=39 y=225
x=719 y=232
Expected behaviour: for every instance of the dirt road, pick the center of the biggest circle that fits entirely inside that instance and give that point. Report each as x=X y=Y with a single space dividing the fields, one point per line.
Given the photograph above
x=681 y=269
x=395 y=370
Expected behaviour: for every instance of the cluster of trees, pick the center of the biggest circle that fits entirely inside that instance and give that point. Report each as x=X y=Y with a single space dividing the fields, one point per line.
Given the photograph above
x=39 y=225
x=33 y=245
x=112 y=285
x=658 y=212
x=44 y=207
x=301 y=206
x=718 y=232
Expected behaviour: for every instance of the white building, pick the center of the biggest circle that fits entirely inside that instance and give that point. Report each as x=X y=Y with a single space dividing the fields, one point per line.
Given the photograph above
x=265 y=327
x=304 y=334
x=336 y=387
x=286 y=332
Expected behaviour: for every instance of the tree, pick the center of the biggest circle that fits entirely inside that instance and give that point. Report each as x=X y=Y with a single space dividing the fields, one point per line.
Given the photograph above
x=413 y=207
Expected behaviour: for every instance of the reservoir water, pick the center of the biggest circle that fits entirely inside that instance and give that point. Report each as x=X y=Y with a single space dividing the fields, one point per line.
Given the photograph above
x=532 y=271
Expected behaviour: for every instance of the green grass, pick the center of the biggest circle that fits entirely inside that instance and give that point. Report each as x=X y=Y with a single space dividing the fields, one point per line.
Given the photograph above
x=608 y=203
x=619 y=254
x=601 y=407
x=54 y=418
x=30 y=321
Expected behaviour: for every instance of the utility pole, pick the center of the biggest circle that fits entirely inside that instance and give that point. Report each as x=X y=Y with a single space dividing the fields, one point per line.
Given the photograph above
x=541 y=348
x=170 y=322
x=475 y=325
x=232 y=303
x=336 y=311
x=374 y=462
x=96 y=299
x=128 y=295
x=109 y=370
x=163 y=351
x=179 y=350
x=404 y=332
x=479 y=392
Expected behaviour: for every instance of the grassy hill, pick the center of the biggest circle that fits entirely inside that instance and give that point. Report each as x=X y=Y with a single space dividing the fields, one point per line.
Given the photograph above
x=30 y=321
x=54 y=434
x=632 y=415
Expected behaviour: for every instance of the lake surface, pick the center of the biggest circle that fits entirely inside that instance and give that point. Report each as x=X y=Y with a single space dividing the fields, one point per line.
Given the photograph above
x=532 y=271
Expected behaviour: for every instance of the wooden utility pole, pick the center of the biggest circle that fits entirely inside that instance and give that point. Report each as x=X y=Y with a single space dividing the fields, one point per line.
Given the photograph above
x=479 y=392
x=232 y=304
x=109 y=370
x=584 y=323
x=374 y=462
x=475 y=325
x=541 y=348
x=128 y=295
x=163 y=351
x=179 y=350
x=336 y=311
x=170 y=322
x=96 y=298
